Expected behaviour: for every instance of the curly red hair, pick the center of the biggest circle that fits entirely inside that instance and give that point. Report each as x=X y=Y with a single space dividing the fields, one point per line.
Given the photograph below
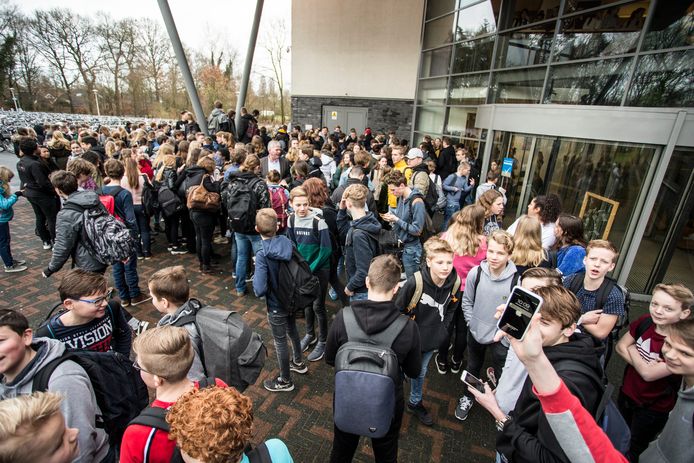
x=317 y=192
x=213 y=424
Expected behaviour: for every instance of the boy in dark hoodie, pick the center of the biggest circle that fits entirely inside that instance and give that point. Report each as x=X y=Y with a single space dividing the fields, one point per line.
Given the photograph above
x=375 y=315
x=276 y=248
x=360 y=229
x=430 y=297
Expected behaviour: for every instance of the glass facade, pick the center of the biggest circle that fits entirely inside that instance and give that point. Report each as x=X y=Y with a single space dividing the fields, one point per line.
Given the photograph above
x=598 y=52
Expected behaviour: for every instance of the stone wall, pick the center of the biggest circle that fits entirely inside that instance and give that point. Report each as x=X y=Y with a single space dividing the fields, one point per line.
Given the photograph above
x=383 y=116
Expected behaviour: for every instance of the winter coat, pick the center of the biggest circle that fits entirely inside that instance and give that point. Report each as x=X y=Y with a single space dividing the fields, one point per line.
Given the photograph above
x=34 y=173
x=267 y=265
x=361 y=247
x=197 y=369
x=6 y=211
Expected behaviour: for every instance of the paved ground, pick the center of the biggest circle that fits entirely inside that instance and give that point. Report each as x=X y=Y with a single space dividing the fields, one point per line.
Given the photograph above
x=302 y=418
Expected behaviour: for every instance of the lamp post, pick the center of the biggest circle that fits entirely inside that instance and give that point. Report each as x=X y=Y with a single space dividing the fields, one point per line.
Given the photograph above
x=14 y=99
x=96 y=97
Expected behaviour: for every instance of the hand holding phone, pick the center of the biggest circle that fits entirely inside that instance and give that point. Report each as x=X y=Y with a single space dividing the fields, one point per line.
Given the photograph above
x=472 y=381
x=520 y=308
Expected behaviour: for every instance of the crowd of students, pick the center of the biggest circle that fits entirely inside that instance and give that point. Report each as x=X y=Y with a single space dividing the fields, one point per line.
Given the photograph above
x=389 y=230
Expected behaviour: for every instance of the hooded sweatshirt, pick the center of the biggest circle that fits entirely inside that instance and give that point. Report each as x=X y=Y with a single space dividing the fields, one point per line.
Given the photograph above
x=411 y=217
x=674 y=444
x=267 y=269
x=528 y=437
x=361 y=247
x=6 y=203
x=79 y=403
x=434 y=310
x=314 y=247
x=197 y=369
x=479 y=304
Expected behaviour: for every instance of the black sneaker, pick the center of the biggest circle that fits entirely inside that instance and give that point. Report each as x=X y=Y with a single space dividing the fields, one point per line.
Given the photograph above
x=179 y=250
x=421 y=412
x=441 y=364
x=464 y=405
x=300 y=367
x=278 y=385
x=456 y=365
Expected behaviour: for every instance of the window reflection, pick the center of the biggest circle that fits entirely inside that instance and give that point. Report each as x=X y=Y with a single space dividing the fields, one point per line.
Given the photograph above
x=594 y=83
x=438 y=32
x=473 y=56
x=436 y=8
x=475 y=21
x=469 y=89
x=525 y=47
x=432 y=91
x=663 y=79
x=521 y=12
x=671 y=25
x=430 y=119
x=523 y=86
x=461 y=123
x=436 y=62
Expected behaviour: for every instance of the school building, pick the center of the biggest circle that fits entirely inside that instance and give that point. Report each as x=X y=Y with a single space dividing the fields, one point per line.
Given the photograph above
x=593 y=100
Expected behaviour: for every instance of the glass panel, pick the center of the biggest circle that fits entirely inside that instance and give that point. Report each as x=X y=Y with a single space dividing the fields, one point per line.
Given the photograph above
x=580 y=5
x=525 y=47
x=678 y=259
x=436 y=8
x=473 y=56
x=518 y=149
x=436 y=62
x=595 y=83
x=475 y=21
x=432 y=91
x=523 y=86
x=520 y=12
x=469 y=89
x=663 y=80
x=461 y=123
x=582 y=36
x=438 y=32
x=429 y=119
x=671 y=25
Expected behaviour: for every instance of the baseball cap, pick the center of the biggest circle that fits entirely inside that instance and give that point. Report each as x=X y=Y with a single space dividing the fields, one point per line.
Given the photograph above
x=414 y=153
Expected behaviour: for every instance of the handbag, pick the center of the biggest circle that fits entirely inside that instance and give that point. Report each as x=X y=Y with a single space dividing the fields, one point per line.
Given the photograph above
x=199 y=199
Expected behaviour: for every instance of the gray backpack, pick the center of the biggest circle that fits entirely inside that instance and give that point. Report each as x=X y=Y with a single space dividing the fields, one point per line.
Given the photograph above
x=231 y=350
x=367 y=373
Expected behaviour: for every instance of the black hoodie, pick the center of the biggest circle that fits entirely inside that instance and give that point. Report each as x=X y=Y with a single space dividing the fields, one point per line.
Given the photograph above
x=374 y=317
x=361 y=247
x=528 y=437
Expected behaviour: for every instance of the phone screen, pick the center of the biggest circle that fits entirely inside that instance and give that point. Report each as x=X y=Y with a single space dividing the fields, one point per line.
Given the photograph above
x=520 y=308
x=472 y=381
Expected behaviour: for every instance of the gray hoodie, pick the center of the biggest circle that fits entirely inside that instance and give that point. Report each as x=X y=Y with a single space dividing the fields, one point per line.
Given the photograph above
x=674 y=445
x=79 y=404
x=492 y=292
x=197 y=369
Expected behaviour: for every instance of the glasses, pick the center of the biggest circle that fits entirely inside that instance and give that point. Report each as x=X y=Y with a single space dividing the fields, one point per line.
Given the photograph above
x=99 y=300
x=138 y=368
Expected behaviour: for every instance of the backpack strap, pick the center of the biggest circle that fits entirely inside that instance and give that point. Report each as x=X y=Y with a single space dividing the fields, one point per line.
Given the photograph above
x=575 y=282
x=514 y=280
x=45 y=330
x=573 y=365
x=384 y=338
x=418 y=289
x=315 y=226
x=259 y=454
x=645 y=324
x=478 y=276
x=206 y=382
x=553 y=258
x=154 y=417
x=603 y=292
x=43 y=376
x=456 y=286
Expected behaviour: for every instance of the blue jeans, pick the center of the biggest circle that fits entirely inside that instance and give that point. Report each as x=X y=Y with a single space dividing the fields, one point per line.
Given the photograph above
x=358 y=297
x=448 y=213
x=233 y=250
x=283 y=324
x=5 y=252
x=412 y=257
x=416 y=384
x=125 y=278
x=144 y=246
x=245 y=245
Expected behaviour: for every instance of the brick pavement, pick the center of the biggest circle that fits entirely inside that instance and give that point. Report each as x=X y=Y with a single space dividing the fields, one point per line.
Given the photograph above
x=303 y=417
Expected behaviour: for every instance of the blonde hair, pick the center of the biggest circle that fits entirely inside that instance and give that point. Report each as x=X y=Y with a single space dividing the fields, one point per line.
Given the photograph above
x=266 y=221
x=466 y=230
x=436 y=245
x=356 y=193
x=5 y=176
x=165 y=351
x=528 y=242
x=79 y=166
x=487 y=200
x=292 y=154
x=110 y=148
x=170 y=283
x=678 y=292
x=58 y=141
x=503 y=238
x=603 y=244
x=132 y=172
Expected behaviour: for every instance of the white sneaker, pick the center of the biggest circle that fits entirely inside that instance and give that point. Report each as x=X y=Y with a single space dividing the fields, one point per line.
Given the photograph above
x=47 y=245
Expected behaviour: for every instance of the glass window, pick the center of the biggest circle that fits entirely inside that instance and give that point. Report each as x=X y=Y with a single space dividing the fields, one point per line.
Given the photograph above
x=429 y=119
x=475 y=21
x=594 y=83
x=521 y=12
x=438 y=32
x=436 y=62
x=573 y=6
x=664 y=79
x=461 y=123
x=473 y=56
x=525 y=47
x=671 y=25
x=436 y=8
x=522 y=86
x=432 y=91
x=470 y=89
x=597 y=34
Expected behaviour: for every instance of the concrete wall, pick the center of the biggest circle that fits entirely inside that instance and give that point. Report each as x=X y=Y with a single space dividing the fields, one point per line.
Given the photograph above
x=356 y=48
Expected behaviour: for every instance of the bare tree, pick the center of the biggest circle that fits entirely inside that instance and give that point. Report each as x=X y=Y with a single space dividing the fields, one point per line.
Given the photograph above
x=277 y=48
x=155 y=53
x=27 y=67
x=117 y=45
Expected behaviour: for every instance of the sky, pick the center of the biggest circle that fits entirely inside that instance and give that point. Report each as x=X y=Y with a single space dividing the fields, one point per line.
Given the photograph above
x=194 y=20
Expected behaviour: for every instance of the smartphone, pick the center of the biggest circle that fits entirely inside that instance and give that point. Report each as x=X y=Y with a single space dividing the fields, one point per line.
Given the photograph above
x=520 y=308
x=471 y=381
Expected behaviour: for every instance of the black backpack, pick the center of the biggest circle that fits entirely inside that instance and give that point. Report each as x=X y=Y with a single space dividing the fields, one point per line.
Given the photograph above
x=431 y=199
x=241 y=203
x=150 y=199
x=298 y=287
x=120 y=392
x=169 y=202
x=155 y=417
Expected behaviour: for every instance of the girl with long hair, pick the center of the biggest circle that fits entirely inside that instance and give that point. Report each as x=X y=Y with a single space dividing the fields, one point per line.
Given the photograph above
x=59 y=148
x=134 y=181
x=528 y=251
x=7 y=200
x=493 y=203
x=570 y=247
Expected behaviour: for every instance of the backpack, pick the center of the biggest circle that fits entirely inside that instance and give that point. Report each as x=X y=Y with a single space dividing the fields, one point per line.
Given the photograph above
x=298 y=287
x=419 y=289
x=431 y=199
x=367 y=374
x=231 y=350
x=252 y=129
x=198 y=198
x=169 y=202
x=279 y=200
x=119 y=390
x=441 y=200
x=155 y=417
x=575 y=283
x=241 y=203
x=106 y=238
x=607 y=415
x=150 y=198
x=514 y=282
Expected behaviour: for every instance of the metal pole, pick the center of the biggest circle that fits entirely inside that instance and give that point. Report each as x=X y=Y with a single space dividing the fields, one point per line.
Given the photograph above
x=14 y=99
x=241 y=100
x=96 y=97
x=183 y=64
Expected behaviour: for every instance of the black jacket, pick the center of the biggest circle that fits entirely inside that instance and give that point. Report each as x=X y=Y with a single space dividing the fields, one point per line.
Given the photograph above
x=360 y=247
x=243 y=126
x=434 y=310
x=192 y=176
x=33 y=173
x=528 y=436
x=374 y=317
x=262 y=195
x=446 y=163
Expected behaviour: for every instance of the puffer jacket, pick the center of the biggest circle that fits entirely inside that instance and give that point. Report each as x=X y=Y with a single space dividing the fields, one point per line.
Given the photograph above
x=68 y=236
x=197 y=369
x=6 y=203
